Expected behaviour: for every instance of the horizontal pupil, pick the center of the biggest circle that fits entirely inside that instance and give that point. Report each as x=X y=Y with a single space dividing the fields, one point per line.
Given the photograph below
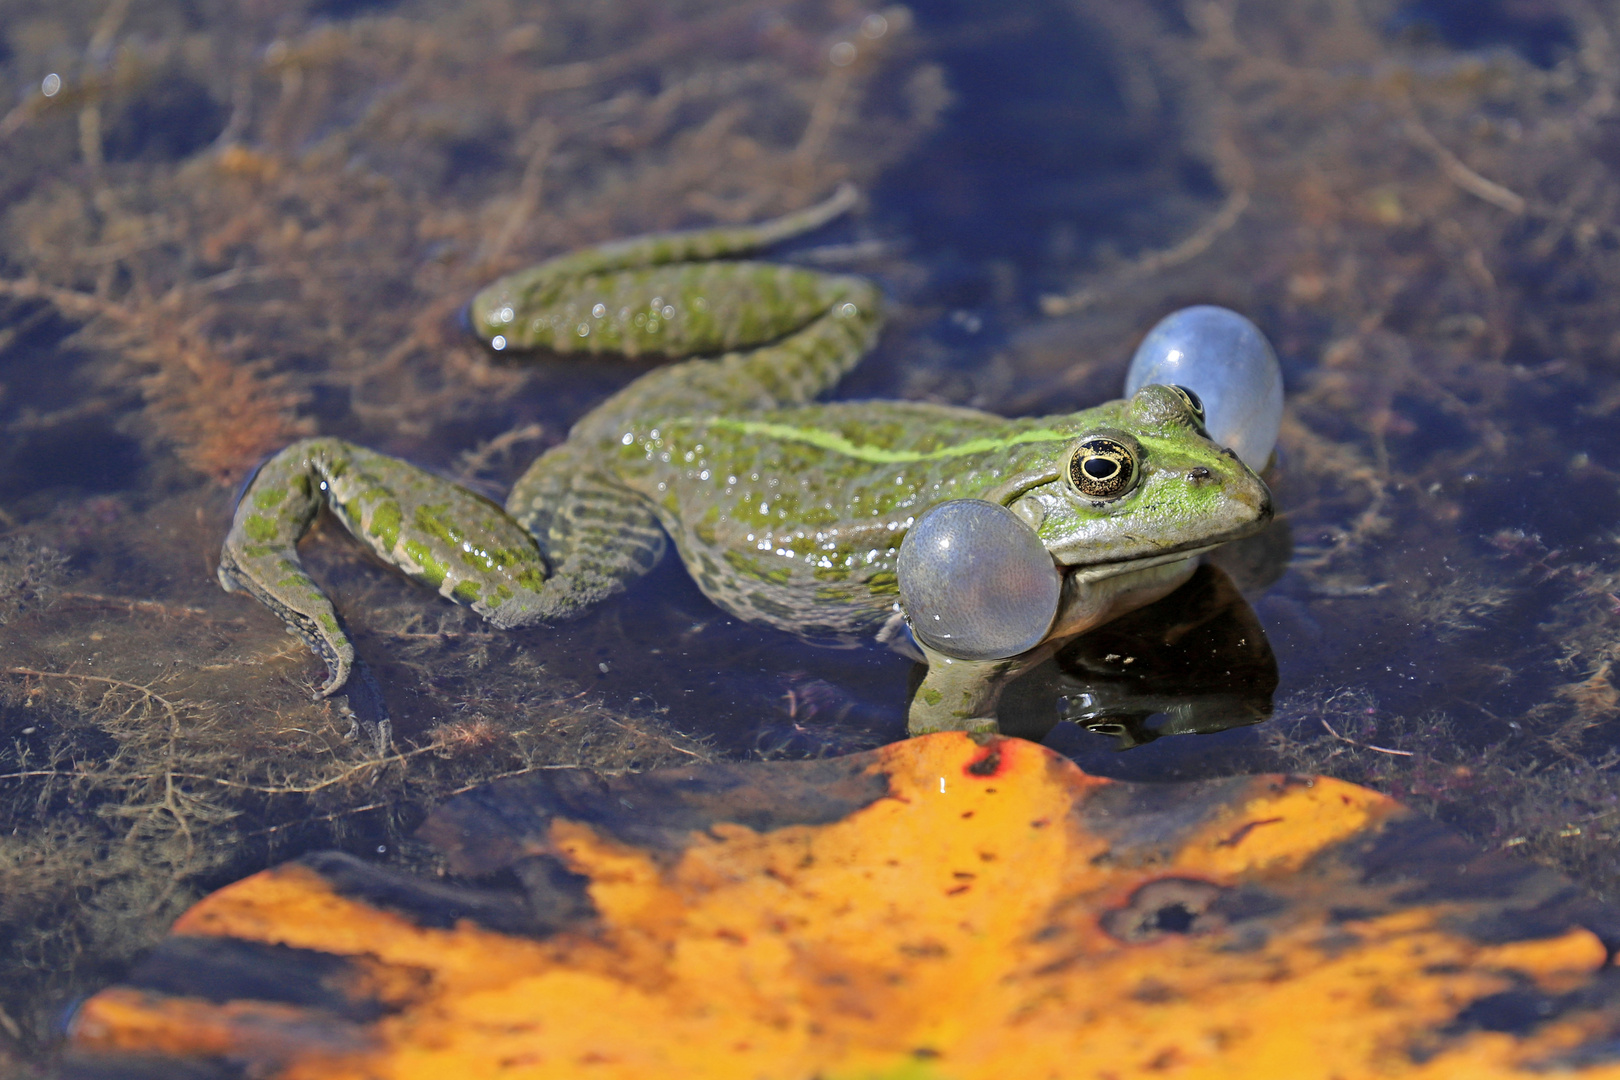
x=1100 y=468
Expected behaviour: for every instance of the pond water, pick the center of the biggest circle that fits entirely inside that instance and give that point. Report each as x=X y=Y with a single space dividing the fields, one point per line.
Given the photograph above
x=222 y=228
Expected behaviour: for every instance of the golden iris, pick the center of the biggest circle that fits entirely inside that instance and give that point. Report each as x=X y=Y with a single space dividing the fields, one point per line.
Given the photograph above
x=1102 y=467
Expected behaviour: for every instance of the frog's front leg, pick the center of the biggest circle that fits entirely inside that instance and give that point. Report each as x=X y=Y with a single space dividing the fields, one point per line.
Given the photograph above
x=442 y=535
x=961 y=695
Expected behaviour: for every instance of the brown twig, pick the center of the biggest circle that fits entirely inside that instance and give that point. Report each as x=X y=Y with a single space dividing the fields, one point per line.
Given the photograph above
x=1365 y=746
x=1459 y=173
x=308 y=789
x=1154 y=262
x=152 y=695
x=348 y=811
x=1235 y=170
x=131 y=604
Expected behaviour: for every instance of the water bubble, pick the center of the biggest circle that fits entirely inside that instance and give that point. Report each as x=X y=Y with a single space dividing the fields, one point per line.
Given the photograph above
x=504 y=315
x=599 y=310
x=1226 y=361
x=874 y=26
x=498 y=342
x=976 y=582
x=842 y=54
x=52 y=85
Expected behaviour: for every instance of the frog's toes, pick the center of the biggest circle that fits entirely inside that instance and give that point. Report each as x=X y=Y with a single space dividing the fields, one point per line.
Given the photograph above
x=338 y=658
x=327 y=641
x=305 y=612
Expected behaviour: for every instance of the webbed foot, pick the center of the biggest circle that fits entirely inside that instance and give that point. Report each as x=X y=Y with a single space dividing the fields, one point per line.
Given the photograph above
x=442 y=535
x=297 y=601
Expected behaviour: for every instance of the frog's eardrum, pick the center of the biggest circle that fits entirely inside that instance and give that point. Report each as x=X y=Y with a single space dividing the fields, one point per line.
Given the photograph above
x=975 y=581
x=1226 y=361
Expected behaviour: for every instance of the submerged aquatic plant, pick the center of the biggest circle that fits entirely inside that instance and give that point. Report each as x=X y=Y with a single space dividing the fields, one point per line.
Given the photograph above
x=226 y=227
x=31 y=576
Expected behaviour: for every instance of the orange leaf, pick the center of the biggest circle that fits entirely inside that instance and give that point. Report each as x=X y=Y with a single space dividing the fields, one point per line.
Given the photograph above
x=937 y=908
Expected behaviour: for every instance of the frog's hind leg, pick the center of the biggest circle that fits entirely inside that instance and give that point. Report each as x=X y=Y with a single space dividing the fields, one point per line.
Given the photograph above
x=791 y=370
x=260 y=557
x=597 y=535
x=438 y=533
x=771 y=335
x=495 y=310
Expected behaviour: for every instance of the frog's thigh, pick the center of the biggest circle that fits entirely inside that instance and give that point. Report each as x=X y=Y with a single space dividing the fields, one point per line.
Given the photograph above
x=598 y=535
x=791 y=371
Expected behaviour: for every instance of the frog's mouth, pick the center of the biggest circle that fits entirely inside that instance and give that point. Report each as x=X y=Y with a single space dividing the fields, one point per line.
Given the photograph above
x=1096 y=554
x=1087 y=573
x=1098 y=569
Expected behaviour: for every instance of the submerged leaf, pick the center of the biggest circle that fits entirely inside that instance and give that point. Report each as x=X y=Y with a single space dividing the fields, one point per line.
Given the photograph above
x=937 y=908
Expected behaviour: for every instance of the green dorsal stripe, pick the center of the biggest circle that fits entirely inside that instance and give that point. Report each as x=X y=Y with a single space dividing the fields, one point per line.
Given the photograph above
x=838 y=444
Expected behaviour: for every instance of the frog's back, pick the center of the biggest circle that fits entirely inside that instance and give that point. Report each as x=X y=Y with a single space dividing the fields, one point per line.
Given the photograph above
x=794 y=516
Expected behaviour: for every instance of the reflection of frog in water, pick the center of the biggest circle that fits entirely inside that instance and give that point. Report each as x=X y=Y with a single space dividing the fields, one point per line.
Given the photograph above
x=785 y=512
x=1199 y=661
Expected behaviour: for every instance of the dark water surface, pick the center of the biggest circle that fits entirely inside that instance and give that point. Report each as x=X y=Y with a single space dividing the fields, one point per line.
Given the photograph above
x=230 y=226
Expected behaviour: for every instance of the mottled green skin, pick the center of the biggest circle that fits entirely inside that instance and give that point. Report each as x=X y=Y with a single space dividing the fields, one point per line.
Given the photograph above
x=794 y=517
x=785 y=512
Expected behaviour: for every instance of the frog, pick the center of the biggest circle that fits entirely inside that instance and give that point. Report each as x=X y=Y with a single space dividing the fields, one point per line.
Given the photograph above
x=786 y=510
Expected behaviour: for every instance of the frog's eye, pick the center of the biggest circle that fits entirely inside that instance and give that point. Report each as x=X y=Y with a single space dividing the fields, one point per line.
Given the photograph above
x=1103 y=467
x=1194 y=402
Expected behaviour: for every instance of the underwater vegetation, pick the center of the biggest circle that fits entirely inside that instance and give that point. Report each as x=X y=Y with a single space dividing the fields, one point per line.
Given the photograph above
x=228 y=226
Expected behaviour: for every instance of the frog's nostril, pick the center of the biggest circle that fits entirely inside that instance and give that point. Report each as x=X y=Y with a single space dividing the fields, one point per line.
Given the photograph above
x=1198 y=473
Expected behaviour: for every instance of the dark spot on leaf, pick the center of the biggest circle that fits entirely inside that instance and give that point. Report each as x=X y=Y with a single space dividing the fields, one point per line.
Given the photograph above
x=1151 y=991
x=1166 y=906
x=1516 y=1012
x=987 y=764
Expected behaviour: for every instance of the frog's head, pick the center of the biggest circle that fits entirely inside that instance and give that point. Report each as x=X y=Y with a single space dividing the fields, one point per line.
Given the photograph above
x=1145 y=482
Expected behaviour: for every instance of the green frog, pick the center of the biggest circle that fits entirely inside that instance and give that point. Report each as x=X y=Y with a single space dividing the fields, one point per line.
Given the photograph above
x=786 y=512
